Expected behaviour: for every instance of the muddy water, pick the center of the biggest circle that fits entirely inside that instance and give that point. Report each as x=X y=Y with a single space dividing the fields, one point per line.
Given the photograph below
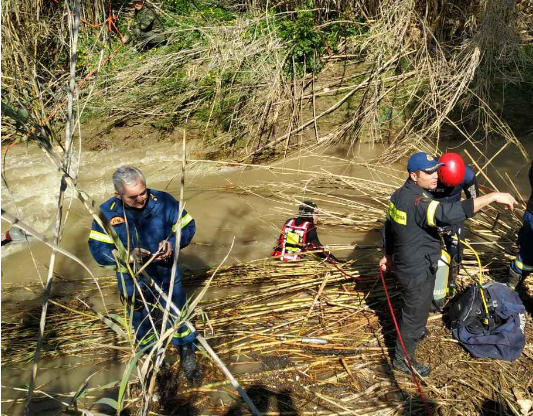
x=215 y=196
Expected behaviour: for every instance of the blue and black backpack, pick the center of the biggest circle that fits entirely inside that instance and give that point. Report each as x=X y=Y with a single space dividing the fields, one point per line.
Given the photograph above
x=499 y=335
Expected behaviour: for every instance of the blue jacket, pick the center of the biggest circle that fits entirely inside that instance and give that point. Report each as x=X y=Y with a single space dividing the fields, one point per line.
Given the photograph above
x=453 y=193
x=157 y=222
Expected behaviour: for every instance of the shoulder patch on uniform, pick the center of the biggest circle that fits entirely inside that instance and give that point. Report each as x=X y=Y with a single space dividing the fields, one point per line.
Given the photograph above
x=116 y=221
x=422 y=199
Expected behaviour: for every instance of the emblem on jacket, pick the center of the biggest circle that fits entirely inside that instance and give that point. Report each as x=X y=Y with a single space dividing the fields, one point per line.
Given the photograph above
x=116 y=221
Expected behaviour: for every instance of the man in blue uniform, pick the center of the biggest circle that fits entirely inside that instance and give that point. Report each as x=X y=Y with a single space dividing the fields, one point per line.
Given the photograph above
x=145 y=222
x=522 y=264
x=412 y=246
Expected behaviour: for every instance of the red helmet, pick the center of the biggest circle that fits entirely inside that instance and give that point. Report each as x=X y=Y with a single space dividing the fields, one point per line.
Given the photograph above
x=453 y=171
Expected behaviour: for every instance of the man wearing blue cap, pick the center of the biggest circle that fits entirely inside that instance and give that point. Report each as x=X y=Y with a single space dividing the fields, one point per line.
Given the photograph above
x=412 y=246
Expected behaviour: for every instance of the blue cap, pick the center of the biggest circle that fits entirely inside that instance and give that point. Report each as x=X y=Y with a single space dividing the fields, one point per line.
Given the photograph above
x=423 y=161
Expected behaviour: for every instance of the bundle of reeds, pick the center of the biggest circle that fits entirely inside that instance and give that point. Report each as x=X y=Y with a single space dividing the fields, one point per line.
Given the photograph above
x=311 y=333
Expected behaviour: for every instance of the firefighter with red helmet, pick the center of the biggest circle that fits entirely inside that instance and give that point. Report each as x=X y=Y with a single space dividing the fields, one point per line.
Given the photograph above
x=300 y=234
x=454 y=179
x=522 y=265
x=412 y=247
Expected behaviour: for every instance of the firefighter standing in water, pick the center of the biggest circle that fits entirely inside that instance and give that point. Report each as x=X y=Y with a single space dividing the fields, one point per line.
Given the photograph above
x=300 y=234
x=145 y=222
x=454 y=179
x=412 y=247
x=522 y=264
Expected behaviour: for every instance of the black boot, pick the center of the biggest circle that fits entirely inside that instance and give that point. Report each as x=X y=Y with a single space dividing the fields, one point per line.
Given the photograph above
x=189 y=365
x=400 y=363
x=513 y=278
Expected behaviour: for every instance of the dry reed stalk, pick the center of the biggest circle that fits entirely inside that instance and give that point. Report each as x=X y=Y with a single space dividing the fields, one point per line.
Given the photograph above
x=264 y=324
x=74 y=28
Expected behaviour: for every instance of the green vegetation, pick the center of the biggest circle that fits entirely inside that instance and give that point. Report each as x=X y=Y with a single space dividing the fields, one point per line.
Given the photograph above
x=245 y=77
x=308 y=38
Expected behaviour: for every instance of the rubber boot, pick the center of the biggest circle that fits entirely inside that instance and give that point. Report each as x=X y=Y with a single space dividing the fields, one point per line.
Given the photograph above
x=189 y=365
x=513 y=278
x=400 y=363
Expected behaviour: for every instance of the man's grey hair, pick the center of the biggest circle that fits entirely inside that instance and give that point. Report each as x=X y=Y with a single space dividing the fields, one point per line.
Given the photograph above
x=126 y=175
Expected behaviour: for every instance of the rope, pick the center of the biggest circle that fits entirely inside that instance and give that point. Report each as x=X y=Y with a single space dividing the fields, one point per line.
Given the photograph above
x=413 y=374
x=111 y=19
x=336 y=265
x=400 y=338
x=332 y=262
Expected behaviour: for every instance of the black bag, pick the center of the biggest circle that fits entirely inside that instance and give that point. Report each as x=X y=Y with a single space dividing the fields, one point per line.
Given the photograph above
x=499 y=335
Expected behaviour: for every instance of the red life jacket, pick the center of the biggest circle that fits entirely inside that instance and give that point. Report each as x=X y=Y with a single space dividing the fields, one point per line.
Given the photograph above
x=292 y=240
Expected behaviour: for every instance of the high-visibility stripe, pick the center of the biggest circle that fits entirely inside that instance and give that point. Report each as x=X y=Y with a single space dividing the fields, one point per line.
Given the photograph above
x=520 y=265
x=397 y=215
x=147 y=340
x=182 y=334
x=432 y=208
x=98 y=236
x=186 y=219
x=122 y=269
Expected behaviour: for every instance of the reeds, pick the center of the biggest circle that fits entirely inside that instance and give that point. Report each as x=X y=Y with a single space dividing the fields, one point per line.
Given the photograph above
x=268 y=328
x=405 y=77
x=401 y=82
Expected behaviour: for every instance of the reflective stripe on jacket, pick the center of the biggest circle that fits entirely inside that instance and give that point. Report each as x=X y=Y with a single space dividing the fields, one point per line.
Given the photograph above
x=292 y=240
x=410 y=231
